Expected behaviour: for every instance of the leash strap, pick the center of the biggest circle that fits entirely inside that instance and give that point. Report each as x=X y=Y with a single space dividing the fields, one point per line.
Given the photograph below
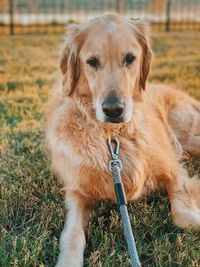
x=115 y=167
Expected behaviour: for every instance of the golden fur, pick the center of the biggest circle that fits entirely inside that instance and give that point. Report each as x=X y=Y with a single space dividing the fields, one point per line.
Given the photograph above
x=164 y=123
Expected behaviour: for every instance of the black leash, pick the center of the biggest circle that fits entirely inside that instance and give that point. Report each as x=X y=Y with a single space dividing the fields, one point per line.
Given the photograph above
x=115 y=167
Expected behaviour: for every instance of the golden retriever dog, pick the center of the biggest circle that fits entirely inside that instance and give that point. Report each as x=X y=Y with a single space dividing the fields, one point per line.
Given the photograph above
x=105 y=64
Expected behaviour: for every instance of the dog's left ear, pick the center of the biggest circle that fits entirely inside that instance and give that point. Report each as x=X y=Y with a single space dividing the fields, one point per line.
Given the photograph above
x=69 y=61
x=140 y=28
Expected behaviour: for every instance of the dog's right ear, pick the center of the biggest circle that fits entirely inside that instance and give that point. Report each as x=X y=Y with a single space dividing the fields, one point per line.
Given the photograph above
x=69 y=62
x=140 y=29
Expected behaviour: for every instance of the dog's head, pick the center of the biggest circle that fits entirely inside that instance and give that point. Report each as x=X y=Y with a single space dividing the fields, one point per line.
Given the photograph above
x=108 y=61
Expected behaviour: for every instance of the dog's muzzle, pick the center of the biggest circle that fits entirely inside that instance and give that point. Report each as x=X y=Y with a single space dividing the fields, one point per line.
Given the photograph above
x=113 y=108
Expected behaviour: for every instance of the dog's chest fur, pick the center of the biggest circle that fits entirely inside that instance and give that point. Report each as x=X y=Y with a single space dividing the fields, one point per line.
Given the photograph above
x=97 y=181
x=83 y=153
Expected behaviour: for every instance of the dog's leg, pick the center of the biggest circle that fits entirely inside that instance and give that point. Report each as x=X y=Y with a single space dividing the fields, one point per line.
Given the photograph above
x=185 y=122
x=72 y=241
x=184 y=193
x=193 y=145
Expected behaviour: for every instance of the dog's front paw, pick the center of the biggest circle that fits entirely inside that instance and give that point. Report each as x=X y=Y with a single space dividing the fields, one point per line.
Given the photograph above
x=68 y=260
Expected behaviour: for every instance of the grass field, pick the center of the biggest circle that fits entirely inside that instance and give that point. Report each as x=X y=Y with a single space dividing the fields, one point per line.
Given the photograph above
x=31 y=204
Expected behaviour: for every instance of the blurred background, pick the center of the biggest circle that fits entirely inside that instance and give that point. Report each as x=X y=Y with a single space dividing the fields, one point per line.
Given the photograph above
x=28 y=16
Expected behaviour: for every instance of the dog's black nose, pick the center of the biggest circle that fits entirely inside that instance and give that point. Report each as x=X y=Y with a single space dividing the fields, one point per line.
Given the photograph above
x=112 y=107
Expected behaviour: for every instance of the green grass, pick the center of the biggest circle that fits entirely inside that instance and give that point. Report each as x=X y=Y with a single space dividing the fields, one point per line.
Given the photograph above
x=31 y=204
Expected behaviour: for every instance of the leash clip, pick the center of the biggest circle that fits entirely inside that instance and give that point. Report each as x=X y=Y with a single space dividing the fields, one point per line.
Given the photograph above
x=114 y=154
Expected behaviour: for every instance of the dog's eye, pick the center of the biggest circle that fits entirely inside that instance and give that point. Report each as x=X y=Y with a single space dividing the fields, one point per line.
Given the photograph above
x=129 y=58
x=93 y=62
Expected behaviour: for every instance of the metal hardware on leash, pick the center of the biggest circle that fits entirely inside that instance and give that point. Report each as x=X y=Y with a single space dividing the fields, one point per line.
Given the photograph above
x=115 y=167
x=114 y=155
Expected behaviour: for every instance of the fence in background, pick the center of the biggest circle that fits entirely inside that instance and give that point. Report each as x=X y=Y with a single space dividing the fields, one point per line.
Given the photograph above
x=46 y=16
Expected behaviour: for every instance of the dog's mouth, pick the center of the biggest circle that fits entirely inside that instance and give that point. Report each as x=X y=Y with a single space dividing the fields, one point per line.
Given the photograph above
x=114 y=120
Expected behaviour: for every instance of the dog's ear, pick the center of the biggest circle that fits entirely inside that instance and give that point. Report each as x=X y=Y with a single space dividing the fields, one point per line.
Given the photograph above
x=69 y=61
x=140 y=28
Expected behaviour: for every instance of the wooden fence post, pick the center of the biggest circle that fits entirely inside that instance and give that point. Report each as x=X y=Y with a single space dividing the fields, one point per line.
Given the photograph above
x=118 y=6
x=11 y=11
x=168 y=11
